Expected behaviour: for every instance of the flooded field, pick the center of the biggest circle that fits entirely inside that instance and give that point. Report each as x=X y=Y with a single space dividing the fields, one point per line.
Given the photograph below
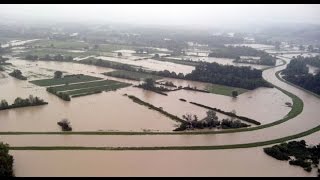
x=45 y=117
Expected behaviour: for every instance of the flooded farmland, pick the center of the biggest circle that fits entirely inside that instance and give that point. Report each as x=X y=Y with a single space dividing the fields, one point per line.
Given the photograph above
x=111 y=117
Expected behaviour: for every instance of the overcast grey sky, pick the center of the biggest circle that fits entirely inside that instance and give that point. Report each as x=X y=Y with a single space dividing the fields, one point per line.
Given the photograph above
x=168 y=14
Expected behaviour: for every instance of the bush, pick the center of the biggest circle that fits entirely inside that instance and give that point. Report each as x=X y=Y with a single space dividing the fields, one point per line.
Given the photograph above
x=65 y=125
x=17 y=74
x=235 y=94
x=57 y=74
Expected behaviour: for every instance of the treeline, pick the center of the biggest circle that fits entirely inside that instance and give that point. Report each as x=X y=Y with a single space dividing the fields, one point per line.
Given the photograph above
x=47 y=57
x=297 y=73
x=108 y=64
x=303 y=155
x=243 y=77
x=17 y=74
x=234 y=52
x=20 y=102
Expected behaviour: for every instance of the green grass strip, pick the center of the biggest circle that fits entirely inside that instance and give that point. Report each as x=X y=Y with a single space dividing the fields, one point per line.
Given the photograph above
x=84 y=85
x=231 y=146
x=224 y=90
x=64 y=80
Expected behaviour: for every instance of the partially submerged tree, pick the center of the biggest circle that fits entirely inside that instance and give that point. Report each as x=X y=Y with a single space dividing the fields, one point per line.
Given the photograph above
x=235 y=93
x=148 y=83
x=3 y=104
x=65 y=125
x=57 y=74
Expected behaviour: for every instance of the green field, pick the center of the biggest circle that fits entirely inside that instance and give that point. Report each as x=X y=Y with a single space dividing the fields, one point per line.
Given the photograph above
x=183 y=62
x=64 y=80
x=69 y=44
x=86 y=88
x=89 y=90
x=138 y=76
x=84 y=85
x=224 y=90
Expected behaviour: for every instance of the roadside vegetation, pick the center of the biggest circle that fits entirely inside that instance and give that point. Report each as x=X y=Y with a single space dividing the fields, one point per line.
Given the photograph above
x=6 y=161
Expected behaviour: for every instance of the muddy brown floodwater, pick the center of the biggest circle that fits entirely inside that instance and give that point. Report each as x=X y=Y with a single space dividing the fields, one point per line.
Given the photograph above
x=244 y=162
x=233 y=162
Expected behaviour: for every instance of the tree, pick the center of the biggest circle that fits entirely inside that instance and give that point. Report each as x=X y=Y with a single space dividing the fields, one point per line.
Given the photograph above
x=212 y=119
x=148 y=83
x=234 y=93
x=277 y=45
x=310 y=48
x=47 y=57
x=65 y=125
x=57 y=74
x=119 y=54
x=301 y=48
x=96 y=46
x=6 y=161
x=156 y=56
x=4 y=104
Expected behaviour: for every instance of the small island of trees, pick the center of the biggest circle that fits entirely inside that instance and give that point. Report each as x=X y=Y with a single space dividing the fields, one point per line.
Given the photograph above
x=211 y=121
x=298 y=154
x=20 y=102
x=17 y=74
